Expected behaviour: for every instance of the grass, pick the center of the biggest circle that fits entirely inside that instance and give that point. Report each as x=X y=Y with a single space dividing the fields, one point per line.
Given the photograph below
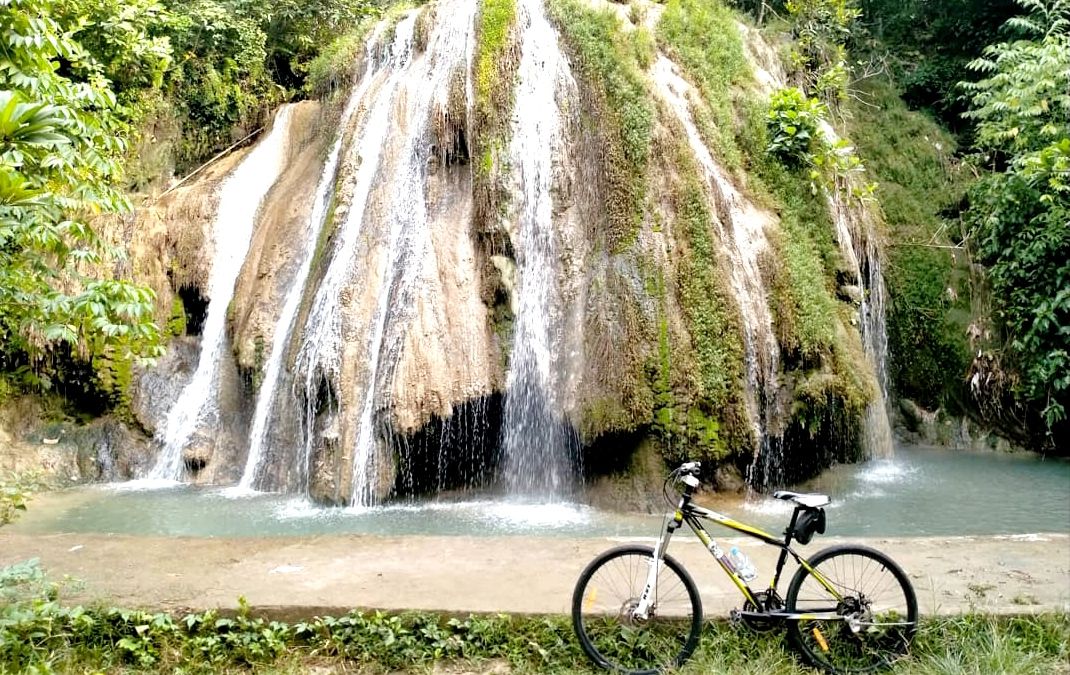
x=38 y=634
x=919 y=182
x=610 y=61
x=702 y=37
x=98 y=641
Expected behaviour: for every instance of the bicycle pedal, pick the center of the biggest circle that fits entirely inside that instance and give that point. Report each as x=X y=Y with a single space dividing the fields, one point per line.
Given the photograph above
x=735 y=618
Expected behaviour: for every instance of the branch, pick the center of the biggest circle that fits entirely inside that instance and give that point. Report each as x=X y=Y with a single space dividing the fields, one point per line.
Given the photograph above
x=218 y=156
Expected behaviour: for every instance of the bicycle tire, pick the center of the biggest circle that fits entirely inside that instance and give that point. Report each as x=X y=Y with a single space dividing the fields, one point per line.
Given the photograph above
x=637 y=653
x=877 y=597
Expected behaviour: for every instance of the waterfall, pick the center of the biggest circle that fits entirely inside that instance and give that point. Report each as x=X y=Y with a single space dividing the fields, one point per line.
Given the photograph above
x=267 y=397
x=857 y=236
x=240 y=196
x=538 y=446
x=386 y=212
x=741 y=231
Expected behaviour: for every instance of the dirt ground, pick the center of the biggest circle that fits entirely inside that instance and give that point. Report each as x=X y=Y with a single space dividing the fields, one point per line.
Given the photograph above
x=303 y=576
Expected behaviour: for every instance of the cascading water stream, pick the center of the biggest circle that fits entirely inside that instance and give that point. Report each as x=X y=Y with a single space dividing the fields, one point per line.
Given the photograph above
x=856 y=234
x=537 y=444
x=394 y=152
x=320 y=355
x=267 y=397
x=741 y=231
x=240 y=197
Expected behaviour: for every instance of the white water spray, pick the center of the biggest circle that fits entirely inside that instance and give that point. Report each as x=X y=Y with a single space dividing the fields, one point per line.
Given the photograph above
x=235 y=221
x=266 y=398
x=537 y=445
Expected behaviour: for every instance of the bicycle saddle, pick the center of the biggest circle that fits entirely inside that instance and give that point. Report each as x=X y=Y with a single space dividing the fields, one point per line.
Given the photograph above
x=809 y=501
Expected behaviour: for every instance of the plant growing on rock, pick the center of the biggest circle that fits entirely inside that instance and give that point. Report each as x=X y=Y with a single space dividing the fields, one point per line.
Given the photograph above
x=15 y=492
x=793 y=122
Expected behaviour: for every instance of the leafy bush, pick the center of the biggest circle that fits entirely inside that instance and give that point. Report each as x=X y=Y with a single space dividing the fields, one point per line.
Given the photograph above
x=794 y=119
x=15 y=493
x=1019 y=212
x=61 y=140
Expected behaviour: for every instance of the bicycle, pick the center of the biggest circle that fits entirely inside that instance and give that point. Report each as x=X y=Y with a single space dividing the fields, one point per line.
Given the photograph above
x=848 y=608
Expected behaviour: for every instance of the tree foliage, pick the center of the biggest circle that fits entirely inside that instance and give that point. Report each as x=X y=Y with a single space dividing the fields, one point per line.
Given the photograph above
x=60 y=142
x=930 y=44
x=1020 y=212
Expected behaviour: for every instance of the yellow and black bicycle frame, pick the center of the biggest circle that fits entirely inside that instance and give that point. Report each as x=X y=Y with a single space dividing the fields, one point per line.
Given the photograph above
x=693 y=515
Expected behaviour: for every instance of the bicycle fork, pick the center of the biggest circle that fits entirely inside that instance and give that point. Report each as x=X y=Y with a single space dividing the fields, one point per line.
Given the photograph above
x=648 y=598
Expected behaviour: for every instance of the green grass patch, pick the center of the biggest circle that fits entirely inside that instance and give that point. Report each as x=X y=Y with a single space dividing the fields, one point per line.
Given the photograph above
x=610 y=62
x=37 y=634
x=912 y=158
x=702 y=37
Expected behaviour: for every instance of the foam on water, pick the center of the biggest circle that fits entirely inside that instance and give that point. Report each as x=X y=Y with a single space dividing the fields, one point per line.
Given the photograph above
x=886 y=471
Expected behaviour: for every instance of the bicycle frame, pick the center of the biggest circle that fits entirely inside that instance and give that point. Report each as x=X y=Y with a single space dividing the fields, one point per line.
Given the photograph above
x=692 y=515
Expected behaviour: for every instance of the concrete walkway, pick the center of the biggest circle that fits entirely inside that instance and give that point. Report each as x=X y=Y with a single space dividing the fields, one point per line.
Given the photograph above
x=303 y=576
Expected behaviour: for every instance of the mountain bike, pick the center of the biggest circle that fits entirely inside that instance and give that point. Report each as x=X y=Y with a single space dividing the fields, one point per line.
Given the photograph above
x=847 y=608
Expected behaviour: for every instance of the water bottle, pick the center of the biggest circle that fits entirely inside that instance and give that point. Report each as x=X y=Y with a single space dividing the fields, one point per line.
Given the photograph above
x=743 y=565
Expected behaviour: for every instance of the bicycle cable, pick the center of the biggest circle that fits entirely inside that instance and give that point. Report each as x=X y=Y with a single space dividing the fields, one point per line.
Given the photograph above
x=665 y=486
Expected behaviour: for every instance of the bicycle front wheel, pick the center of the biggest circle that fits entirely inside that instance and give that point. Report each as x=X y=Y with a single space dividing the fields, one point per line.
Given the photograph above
x=606 y=594
x=878 y=612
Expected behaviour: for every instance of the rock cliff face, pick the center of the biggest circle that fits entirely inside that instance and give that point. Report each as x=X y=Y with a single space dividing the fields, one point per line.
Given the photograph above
x=431 y=300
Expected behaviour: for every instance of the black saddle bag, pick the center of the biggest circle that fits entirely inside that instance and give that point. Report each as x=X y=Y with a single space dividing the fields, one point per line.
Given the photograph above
x=809 y=522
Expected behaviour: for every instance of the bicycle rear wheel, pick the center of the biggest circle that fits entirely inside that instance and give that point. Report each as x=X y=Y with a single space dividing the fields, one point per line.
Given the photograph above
x=607 y=592
x=876 y=602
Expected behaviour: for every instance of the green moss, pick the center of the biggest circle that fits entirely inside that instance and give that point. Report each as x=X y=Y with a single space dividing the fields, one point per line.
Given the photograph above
x=176 y=322
x=496 y=58
x=496 y=21
x=113 y=372
x=699 y=419
x=605 y=416
x=259 y=361
x=326 y=232
x=912 y=157
x=702 y=37
x=806 y=260
x=610 y=61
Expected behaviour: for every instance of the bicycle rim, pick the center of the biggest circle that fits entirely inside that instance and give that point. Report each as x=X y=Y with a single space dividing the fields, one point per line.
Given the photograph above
x=877 y=603
x=608 y=591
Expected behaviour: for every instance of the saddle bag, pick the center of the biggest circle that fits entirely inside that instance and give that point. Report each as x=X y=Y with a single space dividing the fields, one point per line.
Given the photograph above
x=809 y=522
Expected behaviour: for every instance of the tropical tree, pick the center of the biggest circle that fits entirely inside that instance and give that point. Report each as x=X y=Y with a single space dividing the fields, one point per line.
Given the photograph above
x=1020 y=211
x=61 y=137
